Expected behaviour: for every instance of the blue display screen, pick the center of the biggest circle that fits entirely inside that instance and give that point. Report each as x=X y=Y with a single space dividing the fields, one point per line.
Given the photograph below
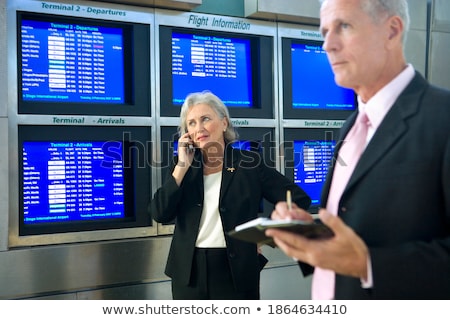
x=238 y=144
x=72 y=181
x=65 y=62
x=221 y=65
x=311 y=162
x=313 y=85
x=247 y=145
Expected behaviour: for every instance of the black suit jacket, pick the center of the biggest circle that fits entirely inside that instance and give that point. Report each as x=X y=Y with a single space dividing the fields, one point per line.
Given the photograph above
x=245 y=181
x=398 y=199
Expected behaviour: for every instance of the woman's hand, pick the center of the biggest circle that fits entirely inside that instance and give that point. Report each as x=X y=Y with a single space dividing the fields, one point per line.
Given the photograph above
x=185 y=157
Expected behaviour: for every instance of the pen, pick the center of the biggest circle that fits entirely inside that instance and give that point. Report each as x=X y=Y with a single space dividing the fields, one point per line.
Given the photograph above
x=289 y=199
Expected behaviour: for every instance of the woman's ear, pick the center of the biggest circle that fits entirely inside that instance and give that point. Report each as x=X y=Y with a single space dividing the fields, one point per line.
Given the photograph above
x=225 y=123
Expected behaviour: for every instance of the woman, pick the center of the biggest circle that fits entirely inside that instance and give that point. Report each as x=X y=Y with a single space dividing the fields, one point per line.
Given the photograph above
x=213 y=188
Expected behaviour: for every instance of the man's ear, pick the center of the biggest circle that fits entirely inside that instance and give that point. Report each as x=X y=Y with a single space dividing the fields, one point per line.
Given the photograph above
x=396 y=28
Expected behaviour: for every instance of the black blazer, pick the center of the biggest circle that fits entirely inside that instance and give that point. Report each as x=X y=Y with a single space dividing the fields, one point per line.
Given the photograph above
x=245 y=181
x=398 y=199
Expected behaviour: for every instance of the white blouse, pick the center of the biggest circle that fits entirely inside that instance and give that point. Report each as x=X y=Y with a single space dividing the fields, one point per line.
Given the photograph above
x=210 y=234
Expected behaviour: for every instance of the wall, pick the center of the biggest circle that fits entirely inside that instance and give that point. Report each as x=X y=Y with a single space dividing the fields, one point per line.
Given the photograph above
x=439 y=49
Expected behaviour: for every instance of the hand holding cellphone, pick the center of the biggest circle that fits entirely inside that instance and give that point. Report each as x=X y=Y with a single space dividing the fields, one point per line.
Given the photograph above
x=189 y=145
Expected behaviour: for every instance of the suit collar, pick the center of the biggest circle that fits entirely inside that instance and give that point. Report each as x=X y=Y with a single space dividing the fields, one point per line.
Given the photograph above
x=382 y=101
x=391 y=129
x=230 y=166
x=197 y=173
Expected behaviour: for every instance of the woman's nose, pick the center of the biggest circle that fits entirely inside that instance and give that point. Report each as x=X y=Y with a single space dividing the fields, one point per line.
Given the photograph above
x=199 y=127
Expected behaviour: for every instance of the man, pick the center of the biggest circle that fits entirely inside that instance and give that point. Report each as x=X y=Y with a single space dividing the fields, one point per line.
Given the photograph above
x=391 y=216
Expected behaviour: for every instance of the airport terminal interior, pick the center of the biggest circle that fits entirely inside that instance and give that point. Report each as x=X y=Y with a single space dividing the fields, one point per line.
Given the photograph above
x=79 y=75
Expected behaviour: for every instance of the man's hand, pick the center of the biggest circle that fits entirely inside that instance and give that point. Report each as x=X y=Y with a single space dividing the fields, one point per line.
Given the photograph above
x=345 y=253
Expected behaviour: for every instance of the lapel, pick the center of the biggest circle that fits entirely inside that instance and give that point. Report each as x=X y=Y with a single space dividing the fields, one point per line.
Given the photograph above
x=230 y=168
x=197 y=175
x=391 y=129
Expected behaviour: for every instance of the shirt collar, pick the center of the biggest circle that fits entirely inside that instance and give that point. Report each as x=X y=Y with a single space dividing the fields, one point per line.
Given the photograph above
x=380 y=104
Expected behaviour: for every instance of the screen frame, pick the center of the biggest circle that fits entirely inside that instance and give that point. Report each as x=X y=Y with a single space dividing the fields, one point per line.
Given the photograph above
x=311 y=134
x=136 y=138
x=262 y=56
x=303 y=113
x=137 y=70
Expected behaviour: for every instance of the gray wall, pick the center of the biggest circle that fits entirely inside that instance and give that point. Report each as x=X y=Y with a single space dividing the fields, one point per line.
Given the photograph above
x=439 y=51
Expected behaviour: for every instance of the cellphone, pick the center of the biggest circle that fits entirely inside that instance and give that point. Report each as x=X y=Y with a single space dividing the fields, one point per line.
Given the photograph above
x=190 y=146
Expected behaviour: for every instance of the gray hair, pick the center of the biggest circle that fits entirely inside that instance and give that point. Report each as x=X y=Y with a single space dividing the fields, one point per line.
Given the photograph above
x=377 y=9
x=215 y=103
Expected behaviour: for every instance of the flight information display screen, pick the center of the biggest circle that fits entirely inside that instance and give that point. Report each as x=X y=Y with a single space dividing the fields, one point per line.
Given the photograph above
x=311 y=162
x=71 y=62
x=313 y=85
x=248 y=145
x=219 y=64
x=72 y=181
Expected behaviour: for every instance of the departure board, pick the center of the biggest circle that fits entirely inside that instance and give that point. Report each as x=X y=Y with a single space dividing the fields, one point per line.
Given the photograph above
x=313 y=84
x=66 y=62
x=221 y=65
x=72 y=181
x=311 y=162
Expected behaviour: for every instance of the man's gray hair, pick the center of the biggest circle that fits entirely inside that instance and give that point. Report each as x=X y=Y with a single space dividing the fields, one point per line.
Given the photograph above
x=378 y=9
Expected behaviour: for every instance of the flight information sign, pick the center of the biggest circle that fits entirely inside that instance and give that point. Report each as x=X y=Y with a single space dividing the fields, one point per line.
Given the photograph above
x=68 y=62
x=221 y=65
x=72 y=181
